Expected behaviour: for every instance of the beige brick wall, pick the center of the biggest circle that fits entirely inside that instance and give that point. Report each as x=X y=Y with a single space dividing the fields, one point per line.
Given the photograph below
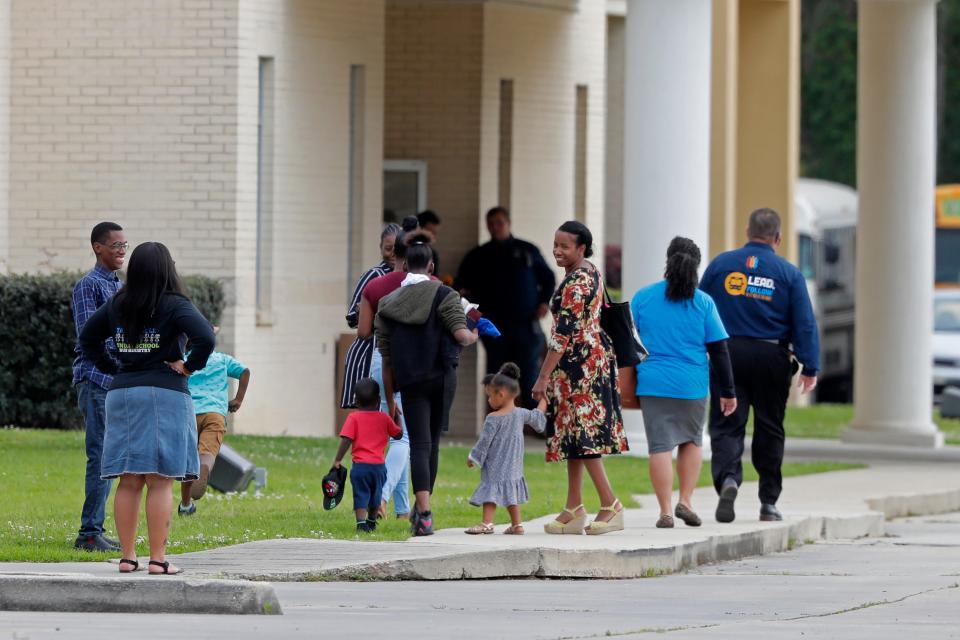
x=122 y=110
x=146 y=113
x=313 y=44
x=546 y=53
x=433 y=81
x=433 y=106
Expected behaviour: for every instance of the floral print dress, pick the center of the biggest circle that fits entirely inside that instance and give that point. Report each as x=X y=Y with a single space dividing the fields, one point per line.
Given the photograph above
x=583 y=396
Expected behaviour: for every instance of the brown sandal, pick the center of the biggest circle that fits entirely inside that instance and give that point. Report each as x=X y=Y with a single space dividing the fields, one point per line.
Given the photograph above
x=685 y=513
x=665 y=522
x=512 y=530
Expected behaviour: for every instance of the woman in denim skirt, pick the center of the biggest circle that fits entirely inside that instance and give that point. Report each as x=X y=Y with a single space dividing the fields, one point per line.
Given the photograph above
x=151 y=432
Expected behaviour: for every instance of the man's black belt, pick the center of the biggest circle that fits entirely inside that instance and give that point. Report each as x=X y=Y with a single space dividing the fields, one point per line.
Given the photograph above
x=780 y=342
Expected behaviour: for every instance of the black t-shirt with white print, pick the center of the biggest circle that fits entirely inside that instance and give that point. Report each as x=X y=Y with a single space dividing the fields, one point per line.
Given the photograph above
x=143 y=362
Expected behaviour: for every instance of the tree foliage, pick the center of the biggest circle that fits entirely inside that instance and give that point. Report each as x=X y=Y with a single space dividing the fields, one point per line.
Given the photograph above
x=828 y=121
x=828 y=90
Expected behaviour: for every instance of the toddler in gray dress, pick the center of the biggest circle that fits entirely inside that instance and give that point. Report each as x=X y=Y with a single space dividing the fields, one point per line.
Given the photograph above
x=499 y=451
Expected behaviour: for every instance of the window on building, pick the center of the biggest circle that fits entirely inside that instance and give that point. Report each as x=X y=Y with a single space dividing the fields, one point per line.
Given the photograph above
x=265 y=113
x=505 y=159
x=580 y=156
x=404 y=189
x=358 y=110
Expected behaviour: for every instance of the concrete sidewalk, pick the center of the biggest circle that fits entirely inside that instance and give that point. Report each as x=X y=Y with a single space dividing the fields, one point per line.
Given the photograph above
x=842 y=504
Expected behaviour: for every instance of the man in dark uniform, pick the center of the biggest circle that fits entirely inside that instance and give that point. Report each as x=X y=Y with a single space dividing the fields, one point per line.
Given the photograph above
x=764 y=305
x=512 y=283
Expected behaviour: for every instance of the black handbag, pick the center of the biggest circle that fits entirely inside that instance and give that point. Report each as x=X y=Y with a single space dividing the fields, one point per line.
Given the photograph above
x=616 y=320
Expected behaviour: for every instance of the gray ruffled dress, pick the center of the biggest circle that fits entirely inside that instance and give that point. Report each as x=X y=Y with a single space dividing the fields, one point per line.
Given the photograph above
x=499 y=454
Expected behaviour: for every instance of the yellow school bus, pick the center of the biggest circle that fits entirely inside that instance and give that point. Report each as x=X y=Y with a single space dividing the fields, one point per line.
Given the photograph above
x=948 y=236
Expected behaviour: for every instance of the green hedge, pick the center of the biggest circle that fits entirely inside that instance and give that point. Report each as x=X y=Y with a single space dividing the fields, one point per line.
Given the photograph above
x=207 y=294
x=37 y=340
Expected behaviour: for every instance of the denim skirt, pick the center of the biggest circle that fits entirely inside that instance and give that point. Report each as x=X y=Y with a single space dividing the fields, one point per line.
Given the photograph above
x=150 y=430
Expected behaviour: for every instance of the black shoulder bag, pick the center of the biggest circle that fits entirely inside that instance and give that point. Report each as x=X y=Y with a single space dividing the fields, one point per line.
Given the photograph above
x=616 y=320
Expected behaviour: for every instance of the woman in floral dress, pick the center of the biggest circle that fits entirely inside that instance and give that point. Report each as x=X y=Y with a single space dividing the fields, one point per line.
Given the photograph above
x=579 y=380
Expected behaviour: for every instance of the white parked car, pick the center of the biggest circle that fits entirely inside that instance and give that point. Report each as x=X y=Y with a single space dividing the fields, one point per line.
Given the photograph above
x=946 y=339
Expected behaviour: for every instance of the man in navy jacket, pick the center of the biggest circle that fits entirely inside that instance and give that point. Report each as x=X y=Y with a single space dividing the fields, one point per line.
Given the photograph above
x=763 y=302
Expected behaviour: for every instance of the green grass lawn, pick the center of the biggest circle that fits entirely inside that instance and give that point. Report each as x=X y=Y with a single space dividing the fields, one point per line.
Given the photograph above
x=42 y=474
x=828 y=420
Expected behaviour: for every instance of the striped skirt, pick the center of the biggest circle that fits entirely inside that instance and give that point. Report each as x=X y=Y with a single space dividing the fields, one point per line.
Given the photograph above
x=356 y=366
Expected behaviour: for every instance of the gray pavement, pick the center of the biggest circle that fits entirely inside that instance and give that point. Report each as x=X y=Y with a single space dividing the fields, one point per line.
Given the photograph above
x=905 y=583
x=813 y=449
x=823 y=507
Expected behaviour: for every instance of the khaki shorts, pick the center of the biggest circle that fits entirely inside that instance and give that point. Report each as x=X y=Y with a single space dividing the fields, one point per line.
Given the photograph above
x=211 y=427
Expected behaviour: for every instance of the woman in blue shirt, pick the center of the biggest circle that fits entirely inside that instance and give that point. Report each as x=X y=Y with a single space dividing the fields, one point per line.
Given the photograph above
x=680 y=327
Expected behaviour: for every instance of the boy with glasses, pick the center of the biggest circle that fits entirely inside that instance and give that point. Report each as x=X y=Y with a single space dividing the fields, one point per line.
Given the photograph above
x=91 y=292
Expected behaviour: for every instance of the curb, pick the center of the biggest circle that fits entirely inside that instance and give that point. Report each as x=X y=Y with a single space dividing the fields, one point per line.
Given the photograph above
x=89 y=594
x=916 y=504
x=540 y=562
x=797 y=449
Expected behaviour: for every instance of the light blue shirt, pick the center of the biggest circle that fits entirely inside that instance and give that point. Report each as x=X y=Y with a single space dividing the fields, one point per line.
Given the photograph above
x=676 y=335
x=209 y=386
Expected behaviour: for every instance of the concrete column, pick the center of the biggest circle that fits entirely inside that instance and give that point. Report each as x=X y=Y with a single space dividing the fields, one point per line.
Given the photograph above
x=724 y=231
x=666 y=173
x=896 y=177
x=768 y=113
x=666 y=133
x=4 y=135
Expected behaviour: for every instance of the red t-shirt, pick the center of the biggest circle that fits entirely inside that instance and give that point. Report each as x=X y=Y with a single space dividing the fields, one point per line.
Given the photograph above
x=381 y=287
x=369 y=431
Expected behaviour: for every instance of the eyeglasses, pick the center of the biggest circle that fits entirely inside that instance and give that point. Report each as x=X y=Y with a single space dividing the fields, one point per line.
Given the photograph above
x=117 y=246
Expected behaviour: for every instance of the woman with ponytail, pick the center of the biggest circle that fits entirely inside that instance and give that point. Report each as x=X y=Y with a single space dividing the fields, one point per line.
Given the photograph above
x=686 y=339
x=420 y=330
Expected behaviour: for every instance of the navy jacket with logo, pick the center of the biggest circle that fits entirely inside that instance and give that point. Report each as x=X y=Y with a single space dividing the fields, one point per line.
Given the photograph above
x=761 y=295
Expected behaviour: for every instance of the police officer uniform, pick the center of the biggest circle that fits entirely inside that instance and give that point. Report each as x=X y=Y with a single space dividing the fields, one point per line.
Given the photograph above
x=763 y=302
x=510 y=280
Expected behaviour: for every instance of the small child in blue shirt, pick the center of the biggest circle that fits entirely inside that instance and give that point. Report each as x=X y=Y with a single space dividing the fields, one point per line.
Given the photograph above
x=209 y=388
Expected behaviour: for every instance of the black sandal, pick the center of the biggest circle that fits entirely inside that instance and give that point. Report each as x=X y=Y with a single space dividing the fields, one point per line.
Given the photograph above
x=166 y=569
x=136 y=565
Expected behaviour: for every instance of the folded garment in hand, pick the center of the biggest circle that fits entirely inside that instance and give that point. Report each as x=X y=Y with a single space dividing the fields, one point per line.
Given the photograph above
x=487 y=328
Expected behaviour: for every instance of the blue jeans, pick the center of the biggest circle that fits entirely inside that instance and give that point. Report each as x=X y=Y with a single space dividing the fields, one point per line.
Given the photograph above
x=398 y=455
x=90 y=400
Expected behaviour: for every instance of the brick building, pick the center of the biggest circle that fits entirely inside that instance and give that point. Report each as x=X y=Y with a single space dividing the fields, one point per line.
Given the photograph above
x=262 y=139
x=250 y=136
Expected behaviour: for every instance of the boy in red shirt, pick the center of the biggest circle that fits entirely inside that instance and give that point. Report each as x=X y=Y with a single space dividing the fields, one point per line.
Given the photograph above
x=367 y=430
